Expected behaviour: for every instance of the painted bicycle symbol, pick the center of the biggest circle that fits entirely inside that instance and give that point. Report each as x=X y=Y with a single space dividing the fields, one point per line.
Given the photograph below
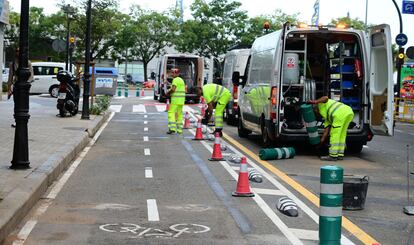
x=137 y=231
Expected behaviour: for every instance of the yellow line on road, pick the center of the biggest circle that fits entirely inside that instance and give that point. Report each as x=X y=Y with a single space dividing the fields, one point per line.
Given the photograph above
x=346 y=223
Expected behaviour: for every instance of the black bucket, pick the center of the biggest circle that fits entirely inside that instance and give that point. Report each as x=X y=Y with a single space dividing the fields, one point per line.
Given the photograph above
x=355 y=193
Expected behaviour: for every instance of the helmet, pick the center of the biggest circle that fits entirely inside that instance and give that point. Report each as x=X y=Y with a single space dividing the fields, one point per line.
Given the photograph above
x=64 y=76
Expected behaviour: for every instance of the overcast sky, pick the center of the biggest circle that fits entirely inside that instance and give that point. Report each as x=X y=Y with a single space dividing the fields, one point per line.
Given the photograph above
x=379 y=11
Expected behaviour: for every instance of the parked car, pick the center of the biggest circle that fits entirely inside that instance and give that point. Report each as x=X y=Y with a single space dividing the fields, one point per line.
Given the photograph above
x=148 y=84
x=45 y=78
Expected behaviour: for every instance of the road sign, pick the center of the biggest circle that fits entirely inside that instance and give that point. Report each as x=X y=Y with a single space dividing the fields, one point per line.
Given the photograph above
x=408 y=7
x=59 y=45
x=401 y=39
x=410 y=52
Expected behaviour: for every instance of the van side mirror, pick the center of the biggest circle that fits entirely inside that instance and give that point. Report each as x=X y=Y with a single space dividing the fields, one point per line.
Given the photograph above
x=235 y=78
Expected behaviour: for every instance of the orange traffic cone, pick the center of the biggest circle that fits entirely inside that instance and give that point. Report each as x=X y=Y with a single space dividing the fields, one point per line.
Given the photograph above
x=168 y=105
x=186 y=121
x=199 y=131
x=243 y=186
x=142 y=92
x=203 y=109
x=216 y=149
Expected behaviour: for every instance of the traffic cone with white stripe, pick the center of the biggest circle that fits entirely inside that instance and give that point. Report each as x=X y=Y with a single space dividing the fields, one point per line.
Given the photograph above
x=199 y=131
x=168 y=105
x=217 y=156
x=186 y=121
x=142 y=92
x=243 y=185
x=203 y=108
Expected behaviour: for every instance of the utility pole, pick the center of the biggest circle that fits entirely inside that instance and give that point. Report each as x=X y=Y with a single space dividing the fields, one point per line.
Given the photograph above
x=21 y=95
x=87 y=75
x=400 y=58
x=68 y=11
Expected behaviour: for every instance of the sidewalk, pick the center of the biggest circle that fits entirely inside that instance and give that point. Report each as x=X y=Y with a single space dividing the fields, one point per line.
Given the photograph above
x=53 y=144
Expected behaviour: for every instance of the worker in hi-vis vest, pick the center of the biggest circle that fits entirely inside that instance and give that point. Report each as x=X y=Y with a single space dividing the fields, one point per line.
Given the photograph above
x=175 y=113
x=337 y=117
x=216 y=96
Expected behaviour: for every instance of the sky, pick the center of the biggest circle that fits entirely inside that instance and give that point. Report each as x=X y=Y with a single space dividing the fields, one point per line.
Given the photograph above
x=379 y=11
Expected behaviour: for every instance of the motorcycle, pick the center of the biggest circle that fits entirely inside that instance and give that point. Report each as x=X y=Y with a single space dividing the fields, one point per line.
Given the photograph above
x=69 y=94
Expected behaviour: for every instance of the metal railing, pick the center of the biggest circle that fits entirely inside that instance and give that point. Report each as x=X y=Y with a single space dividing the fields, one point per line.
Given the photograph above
x=404 y=110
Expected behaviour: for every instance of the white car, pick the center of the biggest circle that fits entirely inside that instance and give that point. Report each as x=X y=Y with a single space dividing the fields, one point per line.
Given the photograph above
x=45 y=80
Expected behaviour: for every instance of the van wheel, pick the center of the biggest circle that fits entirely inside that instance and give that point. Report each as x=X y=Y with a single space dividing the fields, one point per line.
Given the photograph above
x=242 y=132
x=231 y=119
x=54 y=91
x=355 y=148
x=266 y=141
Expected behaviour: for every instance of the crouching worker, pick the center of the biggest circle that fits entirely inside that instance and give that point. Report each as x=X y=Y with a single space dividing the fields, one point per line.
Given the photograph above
x=337 y=117
x=216 y=97
x=175 y=113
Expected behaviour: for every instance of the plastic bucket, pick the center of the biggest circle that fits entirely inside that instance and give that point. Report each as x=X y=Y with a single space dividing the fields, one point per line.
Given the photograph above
x=354 y=193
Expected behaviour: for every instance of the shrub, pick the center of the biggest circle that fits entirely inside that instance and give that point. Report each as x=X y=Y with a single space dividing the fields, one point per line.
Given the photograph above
x=101 y=105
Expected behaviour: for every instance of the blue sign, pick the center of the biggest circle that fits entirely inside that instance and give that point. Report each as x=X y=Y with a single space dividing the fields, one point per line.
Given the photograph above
x=408 y=7
x=401 y=39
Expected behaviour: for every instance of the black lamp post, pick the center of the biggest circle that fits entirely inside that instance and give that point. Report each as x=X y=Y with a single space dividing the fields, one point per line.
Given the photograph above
x=68 y=10
x=400 y=60
x=87 y=75
x=21 y=95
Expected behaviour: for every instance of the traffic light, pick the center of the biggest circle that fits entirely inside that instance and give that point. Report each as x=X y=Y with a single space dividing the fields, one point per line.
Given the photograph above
x=400 y=57
x=72 y=42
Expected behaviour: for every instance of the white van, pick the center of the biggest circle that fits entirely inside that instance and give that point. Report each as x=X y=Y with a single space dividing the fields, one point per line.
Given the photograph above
x=234 y=61
x=293 y=65
x=191 y=71
x=45 y=81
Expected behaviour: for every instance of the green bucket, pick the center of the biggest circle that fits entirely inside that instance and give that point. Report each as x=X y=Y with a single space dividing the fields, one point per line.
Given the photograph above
x=277 y=153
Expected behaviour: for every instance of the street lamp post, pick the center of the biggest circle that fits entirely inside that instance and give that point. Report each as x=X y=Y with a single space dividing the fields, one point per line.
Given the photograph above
x=86 y=75
x=21 y=95
x=400 y=51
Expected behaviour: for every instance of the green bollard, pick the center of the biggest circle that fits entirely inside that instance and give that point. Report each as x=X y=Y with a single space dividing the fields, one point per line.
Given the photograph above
x=330 y=202
x=126 y=90
x=137 y=92
x=277 y=153
x=119 y=89
x=310 y=120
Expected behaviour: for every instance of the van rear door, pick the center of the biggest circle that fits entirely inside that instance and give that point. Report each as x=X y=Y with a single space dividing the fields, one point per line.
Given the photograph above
x=381 y=91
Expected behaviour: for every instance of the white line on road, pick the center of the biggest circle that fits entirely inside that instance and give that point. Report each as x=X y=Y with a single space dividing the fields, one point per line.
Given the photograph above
x=146 y=138
x=269 y=192
x=145 y=122
x=160 y=108
x=148 y=173
x=147 y=152
x=29 y=226
x=147 y=98
x=115 y=108
x=399 y=131
x=145 y=116
x=152 y=210
x=306 y=234
x=145 y=129
x=139 y=108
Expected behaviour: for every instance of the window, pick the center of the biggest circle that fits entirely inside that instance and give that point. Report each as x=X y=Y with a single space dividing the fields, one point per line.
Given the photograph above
x=46 y=70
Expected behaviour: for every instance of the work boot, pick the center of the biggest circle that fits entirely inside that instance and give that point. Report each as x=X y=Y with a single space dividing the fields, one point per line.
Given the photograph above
x=217 y=131
x=340 y=158
x=329 y=158
x=170 y=132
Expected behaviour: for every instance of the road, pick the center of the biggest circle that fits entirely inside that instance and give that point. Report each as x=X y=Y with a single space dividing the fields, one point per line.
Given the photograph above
x=137 y=185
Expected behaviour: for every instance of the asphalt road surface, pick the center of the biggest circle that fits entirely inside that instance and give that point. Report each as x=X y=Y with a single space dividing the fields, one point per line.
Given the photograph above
x=138 y=185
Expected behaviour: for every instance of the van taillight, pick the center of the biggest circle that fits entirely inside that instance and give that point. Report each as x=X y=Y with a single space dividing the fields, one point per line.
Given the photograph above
x=235 y=90
x=62 y=87
x=273 y=115
x=274 y=96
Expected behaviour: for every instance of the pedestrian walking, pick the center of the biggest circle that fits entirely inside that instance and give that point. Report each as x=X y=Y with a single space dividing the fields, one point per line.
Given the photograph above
x=216 y=97
x=13 y=75
x=337 y=117
x=175 y=113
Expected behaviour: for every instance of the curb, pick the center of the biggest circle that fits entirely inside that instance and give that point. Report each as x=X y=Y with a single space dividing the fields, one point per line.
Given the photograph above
x=16 y=205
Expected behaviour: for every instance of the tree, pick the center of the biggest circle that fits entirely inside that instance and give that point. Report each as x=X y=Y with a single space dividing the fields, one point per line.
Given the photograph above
x=146 y=34
x=254 y=26
x=354 y=23
x=216 y=26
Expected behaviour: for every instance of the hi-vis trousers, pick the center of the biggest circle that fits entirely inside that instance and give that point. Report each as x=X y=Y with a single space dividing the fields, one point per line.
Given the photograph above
x=338 y=134
x=175 y=123
x=219 y=111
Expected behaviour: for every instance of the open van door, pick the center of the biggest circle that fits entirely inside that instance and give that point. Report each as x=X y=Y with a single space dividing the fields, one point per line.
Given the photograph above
x=381 y=88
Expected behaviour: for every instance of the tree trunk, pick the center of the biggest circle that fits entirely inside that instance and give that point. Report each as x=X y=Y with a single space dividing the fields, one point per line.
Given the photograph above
x=145 y=70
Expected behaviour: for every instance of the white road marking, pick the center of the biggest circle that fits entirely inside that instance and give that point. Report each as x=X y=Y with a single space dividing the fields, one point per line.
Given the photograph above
x=147 y=151
x=145 y=129
x=152 y=210
x=399 y=131
x=148 y=173
x=160 y=108
x=139 y=108
x=145 y=122
x=306 y=234
x=115 y=108
x=365 y=146
x=29 y=226
x=147 y=98
x=145 y=116
x=146 y=138
x=269 y=192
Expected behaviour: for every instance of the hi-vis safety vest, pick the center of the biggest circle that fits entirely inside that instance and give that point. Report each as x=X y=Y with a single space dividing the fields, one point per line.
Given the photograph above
x=178 y=97
x=213 y=92
x=333 y=108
